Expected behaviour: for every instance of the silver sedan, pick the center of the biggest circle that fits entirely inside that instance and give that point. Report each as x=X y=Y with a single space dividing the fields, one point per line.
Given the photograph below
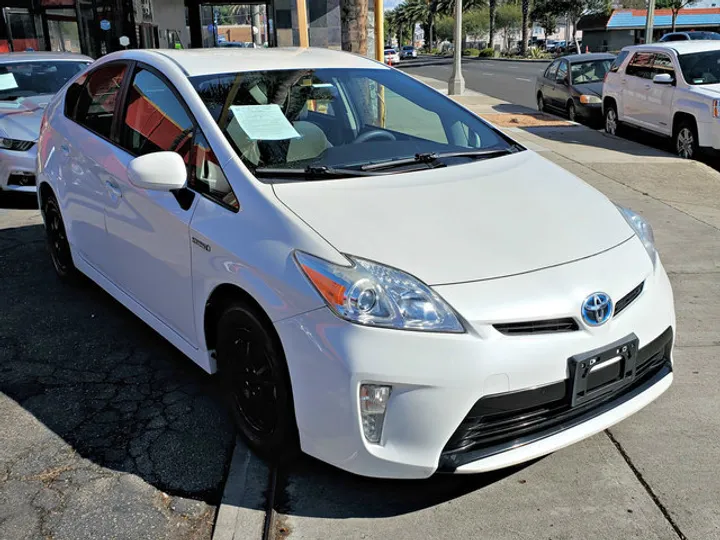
x=27 y=82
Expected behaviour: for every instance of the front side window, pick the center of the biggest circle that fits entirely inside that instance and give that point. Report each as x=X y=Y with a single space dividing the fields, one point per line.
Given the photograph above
x=340 y=118
x=701 y=68
x=590 y=72
x=663 y=64
x=154 y=119
x=19 y=80
x=206 y=175
x=96 y=103
x=641 y=65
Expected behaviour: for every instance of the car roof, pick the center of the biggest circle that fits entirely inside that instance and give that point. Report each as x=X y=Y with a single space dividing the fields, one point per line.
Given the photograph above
x=195 y=62
x=572 y=58
x=680 y=47
x=42 y=56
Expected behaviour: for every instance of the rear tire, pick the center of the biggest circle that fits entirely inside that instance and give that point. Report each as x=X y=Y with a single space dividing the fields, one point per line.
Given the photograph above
x=57 y=241
x=256 y=383
x=685 y=140
x=612 y=123
x=540 y=102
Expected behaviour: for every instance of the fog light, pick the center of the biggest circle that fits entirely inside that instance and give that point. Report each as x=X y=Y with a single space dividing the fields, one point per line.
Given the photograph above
x=373 y=402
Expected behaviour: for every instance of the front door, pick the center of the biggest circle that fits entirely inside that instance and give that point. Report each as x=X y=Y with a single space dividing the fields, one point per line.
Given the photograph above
x=660 y=96
x=148 y=231
x=638 y=79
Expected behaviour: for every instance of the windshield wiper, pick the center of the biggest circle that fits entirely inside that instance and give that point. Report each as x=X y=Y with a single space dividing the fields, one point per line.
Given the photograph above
x=431 y=157
x=312 y=172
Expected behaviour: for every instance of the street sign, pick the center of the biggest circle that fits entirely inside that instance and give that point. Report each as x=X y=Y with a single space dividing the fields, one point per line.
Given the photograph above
x=105 y=24
x=124 y=41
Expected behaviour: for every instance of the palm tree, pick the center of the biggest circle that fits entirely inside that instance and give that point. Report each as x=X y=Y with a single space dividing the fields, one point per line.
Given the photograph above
x=353 y=25
x=525 y=21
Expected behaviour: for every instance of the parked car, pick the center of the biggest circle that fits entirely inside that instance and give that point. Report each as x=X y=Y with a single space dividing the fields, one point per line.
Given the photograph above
x=686 y=36
x=27 y=82
x=391 y=56
x=408 y=51
x=238 y=44
x=573 y=85
x=670 y=89
x=209 y=193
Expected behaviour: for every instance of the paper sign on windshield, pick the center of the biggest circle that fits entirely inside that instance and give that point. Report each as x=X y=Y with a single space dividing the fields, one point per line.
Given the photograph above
x=264 y=122
x=7 y=81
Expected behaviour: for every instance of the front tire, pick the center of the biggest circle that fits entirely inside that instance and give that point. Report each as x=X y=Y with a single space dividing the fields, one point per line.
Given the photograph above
x=612 y=123
x=57 y=241
x=685 y=140
x=571 y=112
x=256 y=382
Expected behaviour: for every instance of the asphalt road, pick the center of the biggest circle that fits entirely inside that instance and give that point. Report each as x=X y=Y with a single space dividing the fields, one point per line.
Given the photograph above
x=510 y=81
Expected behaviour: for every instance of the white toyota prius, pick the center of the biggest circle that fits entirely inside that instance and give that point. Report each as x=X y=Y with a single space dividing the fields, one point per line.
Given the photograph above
x=382 y=279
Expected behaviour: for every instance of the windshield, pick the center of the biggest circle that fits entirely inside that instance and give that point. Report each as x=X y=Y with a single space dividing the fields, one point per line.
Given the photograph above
x=24 y=79
x=701 y=68
x=590 y=72
x=339 y=118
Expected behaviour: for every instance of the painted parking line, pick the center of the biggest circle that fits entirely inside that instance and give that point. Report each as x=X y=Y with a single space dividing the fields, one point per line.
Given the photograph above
x=523 y=79
x=487 y=73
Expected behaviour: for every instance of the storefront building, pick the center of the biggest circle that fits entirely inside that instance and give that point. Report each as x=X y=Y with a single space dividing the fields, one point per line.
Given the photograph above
x=95 y=27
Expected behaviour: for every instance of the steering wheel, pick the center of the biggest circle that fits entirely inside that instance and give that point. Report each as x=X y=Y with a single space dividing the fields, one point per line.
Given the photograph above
x=374 y=134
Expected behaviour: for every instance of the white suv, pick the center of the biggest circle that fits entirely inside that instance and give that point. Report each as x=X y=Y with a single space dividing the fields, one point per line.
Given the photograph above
x=669 y=88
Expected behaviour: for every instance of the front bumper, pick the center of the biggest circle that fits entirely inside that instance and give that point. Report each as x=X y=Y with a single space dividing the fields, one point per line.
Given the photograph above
x=591 y=112
x=17 y=170
x=437 y=379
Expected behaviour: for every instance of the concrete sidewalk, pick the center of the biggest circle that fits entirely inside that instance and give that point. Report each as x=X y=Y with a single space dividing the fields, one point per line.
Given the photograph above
x=654 y=476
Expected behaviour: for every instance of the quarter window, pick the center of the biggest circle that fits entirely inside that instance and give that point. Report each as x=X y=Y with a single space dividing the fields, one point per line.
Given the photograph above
x=641 y=65
x=96 y=103
x=207 y=177
x=154 y=119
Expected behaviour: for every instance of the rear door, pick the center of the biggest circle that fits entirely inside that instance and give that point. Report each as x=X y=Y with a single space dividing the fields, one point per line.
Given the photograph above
x=560 y=86
x=547 y=80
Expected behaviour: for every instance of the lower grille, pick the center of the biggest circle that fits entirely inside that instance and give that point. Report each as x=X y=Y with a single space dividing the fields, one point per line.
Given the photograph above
x=537 y=327
x=22 y=180
x=499 y=422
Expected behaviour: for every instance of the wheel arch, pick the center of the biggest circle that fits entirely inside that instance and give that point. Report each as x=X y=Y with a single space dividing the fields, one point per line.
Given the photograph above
x=682 y=116
x=222 y=297
x=609 y=101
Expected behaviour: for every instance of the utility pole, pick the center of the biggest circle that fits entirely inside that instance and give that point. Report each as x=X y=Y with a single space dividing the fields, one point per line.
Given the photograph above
x=649 y=21
x=456 y=84
x=257 y=35
x=302 y=23
x=379 y=31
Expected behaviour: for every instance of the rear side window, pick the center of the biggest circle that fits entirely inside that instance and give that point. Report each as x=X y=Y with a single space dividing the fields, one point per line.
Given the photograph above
x=561 y=72
x=551 y=70
x=677 y=37
x=641 y=65
x=154 y=119
x=96 y=103
x=618 y=61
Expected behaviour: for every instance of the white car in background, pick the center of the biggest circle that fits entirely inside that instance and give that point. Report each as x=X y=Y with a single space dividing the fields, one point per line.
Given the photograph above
x=672 y=89
x=27 y=82
x=391 y=56
x=381 y=278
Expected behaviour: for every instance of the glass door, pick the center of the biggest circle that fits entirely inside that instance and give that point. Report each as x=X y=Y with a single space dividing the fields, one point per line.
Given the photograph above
x=24 y=29
x=63 y=30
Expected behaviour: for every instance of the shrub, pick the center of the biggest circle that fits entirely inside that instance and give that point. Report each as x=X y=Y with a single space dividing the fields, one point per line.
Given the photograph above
x=487 y=53
x=435 y=51
x=471 y=52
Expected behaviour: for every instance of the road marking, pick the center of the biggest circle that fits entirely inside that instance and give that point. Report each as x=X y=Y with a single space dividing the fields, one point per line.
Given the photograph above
x=523 y=79
x=514 y=67
x=487 y=73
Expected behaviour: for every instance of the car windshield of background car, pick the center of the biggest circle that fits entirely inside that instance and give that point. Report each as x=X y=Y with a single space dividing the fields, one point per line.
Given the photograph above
x=590 y=72
x=24 y=79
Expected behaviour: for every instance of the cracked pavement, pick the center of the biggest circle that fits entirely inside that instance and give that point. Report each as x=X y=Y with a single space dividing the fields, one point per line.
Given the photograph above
x=107 y=430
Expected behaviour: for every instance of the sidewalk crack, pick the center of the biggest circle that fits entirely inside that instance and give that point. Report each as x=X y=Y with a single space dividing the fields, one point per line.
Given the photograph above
x=645 y=485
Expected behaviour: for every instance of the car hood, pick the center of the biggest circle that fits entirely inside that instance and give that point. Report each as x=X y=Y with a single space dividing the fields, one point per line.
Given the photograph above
x=20 y=119
x=482 y=220
x=594 y=88
x=710 y=90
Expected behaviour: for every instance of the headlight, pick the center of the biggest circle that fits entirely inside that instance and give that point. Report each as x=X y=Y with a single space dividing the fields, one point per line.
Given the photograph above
x=369 y=293
x=15 y=144
x=585 y=98
x=642 y=229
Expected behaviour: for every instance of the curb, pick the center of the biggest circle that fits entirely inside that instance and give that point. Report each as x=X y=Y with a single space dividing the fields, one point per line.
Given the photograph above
x=527 y=60
x=242 y=511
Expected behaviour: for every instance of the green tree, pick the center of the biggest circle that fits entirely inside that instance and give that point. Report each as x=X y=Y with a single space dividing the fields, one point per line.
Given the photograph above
x=508 y=20
x=675 y=6
x=476 y=22
x=444 y=27
x=546 y=13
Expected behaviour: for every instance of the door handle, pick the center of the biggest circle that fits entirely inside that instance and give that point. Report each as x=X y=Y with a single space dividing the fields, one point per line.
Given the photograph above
x=113 y=189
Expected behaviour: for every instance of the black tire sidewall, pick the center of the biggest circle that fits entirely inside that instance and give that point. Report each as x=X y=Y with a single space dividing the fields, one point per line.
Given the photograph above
x=617 y=121
x=50 y=207
x=282 y=444
x=540 y=103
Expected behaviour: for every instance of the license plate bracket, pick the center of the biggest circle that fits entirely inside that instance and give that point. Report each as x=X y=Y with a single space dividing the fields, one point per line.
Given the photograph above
x=587 y=381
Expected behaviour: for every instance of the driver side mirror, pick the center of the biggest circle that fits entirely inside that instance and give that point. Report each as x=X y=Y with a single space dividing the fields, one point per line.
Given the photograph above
x=159 y=171
x=663 y=78
x=564 y=81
